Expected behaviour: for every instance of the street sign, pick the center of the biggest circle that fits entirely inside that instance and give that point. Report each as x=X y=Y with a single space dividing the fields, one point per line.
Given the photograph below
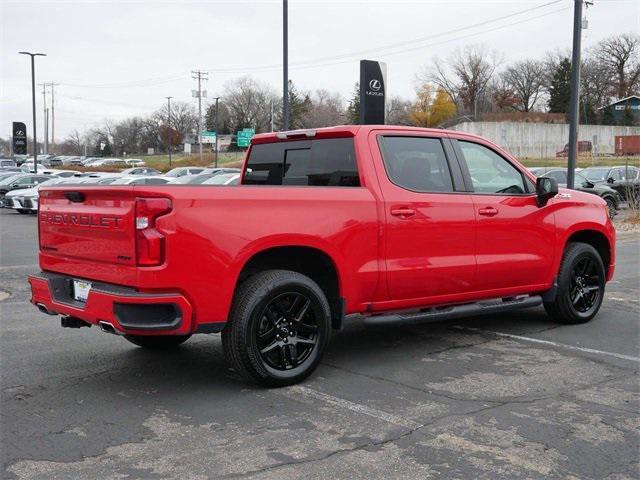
x=208 y=136
x=244 y=136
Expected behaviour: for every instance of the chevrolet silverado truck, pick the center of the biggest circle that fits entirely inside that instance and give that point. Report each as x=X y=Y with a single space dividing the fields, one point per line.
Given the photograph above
x=396 y=224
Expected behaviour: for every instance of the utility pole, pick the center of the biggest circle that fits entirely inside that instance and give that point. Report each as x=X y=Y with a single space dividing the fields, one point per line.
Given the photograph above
x=200 y=75
x=216 y=127
x=53 y=115
x=574 y=104
x=285 y=65
x=170 y=130
x=33 y=105
x=45 y=118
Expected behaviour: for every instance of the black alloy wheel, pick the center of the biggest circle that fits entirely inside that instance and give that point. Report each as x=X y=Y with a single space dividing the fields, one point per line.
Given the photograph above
x=287 y=332
x=585 y=289
x=580 y=285
x=278 y=329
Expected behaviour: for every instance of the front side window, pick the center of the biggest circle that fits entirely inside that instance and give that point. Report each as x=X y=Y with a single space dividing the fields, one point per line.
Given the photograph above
x=327 y=162
x=418 y=164
x=490 y=173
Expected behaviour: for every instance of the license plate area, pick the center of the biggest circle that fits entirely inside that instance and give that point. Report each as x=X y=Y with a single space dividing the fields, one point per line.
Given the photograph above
x=81 y=290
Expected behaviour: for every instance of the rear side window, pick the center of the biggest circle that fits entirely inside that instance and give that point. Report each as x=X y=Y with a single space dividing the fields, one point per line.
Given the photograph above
x=416 y=163
x=327 y=162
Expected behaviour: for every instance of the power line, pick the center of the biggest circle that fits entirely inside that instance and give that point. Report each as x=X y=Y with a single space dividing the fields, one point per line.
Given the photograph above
x=378 y=50
x=320 y=62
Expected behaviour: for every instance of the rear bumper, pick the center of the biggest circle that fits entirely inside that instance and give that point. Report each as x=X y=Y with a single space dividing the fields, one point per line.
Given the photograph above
x=129 y=311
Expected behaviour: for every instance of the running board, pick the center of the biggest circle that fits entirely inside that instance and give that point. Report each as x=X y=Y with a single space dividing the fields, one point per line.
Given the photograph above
x=435 y=314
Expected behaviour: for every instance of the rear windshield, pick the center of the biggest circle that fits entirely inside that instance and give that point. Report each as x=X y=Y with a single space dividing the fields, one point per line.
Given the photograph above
x=327 y=162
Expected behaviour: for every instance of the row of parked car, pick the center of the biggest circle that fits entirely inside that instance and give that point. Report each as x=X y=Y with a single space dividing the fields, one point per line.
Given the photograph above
x=19 y=188
x=615 y=185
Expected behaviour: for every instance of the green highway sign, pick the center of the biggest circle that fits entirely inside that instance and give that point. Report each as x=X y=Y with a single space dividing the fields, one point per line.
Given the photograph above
x=208 y=136
x=243 y=137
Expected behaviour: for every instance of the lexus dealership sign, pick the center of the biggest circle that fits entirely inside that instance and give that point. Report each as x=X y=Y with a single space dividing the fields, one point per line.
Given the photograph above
x=19 y=138
x=373 y=85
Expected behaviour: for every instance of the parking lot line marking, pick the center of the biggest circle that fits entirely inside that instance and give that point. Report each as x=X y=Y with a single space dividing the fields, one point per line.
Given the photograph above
x=309 y=393
x=554 y=344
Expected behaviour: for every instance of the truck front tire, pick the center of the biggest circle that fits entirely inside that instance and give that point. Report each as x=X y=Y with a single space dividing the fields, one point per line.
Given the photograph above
x=278 y=329
x=157 y=342
x=581 y=281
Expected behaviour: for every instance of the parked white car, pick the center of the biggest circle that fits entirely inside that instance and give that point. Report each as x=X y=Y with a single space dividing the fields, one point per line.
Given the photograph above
x=223 y=179
x=26 y=200
x=140 y=180
x=135 y=162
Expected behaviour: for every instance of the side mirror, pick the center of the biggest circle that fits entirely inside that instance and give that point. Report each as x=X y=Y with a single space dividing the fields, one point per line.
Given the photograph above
x=546 y=188
x=610 y=180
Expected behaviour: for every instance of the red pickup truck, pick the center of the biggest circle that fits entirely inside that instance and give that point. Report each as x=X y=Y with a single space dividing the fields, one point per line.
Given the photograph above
x=397 y=224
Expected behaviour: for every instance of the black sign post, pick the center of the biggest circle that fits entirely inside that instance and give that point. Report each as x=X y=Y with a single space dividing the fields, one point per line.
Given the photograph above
x=19 y=137
x=373 y=85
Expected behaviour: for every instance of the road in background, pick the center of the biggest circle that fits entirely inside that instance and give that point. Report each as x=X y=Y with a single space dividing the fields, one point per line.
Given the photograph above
x=508 y=396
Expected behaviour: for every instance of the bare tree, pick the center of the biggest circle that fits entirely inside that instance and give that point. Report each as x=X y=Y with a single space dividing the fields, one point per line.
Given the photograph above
x=526 y=80
x=621 y=56
x=464 y=75
x=327 y=109
x=76 y=142
x=184 y=117
x=249 y=103
x=398 y=111
x=595 y=89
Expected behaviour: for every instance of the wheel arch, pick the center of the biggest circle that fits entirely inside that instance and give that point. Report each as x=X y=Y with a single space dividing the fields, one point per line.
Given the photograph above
x=598 y=240
x=311 y=261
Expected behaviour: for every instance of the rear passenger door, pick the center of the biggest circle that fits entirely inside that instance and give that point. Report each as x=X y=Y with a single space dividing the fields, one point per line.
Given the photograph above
x=429 y=231
x=515 y=238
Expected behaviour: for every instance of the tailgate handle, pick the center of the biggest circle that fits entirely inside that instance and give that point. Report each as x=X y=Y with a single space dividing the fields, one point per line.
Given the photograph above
x=76 y=197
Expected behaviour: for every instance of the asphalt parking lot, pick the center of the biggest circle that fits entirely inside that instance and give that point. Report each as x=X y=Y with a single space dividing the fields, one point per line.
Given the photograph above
x=509 y=396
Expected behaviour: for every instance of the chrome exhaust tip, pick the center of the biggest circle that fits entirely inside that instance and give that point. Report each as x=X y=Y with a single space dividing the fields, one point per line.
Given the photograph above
x=107 y=327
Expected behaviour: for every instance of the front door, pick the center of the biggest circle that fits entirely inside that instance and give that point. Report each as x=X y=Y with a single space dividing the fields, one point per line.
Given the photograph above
x=429 y=233
x=515 y=238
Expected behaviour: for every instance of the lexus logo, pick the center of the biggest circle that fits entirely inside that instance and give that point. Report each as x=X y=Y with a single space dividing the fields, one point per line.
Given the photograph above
x=375 y=85
x=19 y=132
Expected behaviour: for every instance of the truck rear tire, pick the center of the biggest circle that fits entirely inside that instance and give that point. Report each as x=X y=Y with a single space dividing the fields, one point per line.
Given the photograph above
x=581 y=282
x=157 y=342
x=278 y=329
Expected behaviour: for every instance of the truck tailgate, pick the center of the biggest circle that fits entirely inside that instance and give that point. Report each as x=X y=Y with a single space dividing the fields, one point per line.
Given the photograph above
x=89 y=225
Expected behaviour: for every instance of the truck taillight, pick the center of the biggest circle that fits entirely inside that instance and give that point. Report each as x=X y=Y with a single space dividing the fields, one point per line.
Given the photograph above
x=149 y=241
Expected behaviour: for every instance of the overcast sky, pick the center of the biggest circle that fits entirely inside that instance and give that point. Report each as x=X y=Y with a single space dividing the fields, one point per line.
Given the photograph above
x=119 y=58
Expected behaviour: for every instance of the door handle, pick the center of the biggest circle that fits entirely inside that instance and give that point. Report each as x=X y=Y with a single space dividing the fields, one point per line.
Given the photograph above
x=488 y=211
x=403 y=212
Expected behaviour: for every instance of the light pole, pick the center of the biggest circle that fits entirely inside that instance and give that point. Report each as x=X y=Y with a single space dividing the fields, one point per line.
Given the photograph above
x=169 y=123
x=33 y=104
x=285 y=65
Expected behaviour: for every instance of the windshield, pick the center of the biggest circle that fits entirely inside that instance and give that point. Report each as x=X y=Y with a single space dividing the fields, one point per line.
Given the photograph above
x=8 y=180
x=122 y=181
x=596 y=174
x=173 y=173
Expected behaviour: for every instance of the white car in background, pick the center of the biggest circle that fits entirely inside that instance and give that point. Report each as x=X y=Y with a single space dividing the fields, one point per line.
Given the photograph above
x=135 y=162
x=26 y=200
x=140 y=180
x=223 y=179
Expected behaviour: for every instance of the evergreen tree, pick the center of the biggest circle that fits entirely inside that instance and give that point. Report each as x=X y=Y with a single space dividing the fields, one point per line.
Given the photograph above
x=607 y=117
x=353 y=110
x=299 y=105
x=627 y=116
x=560 y=88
